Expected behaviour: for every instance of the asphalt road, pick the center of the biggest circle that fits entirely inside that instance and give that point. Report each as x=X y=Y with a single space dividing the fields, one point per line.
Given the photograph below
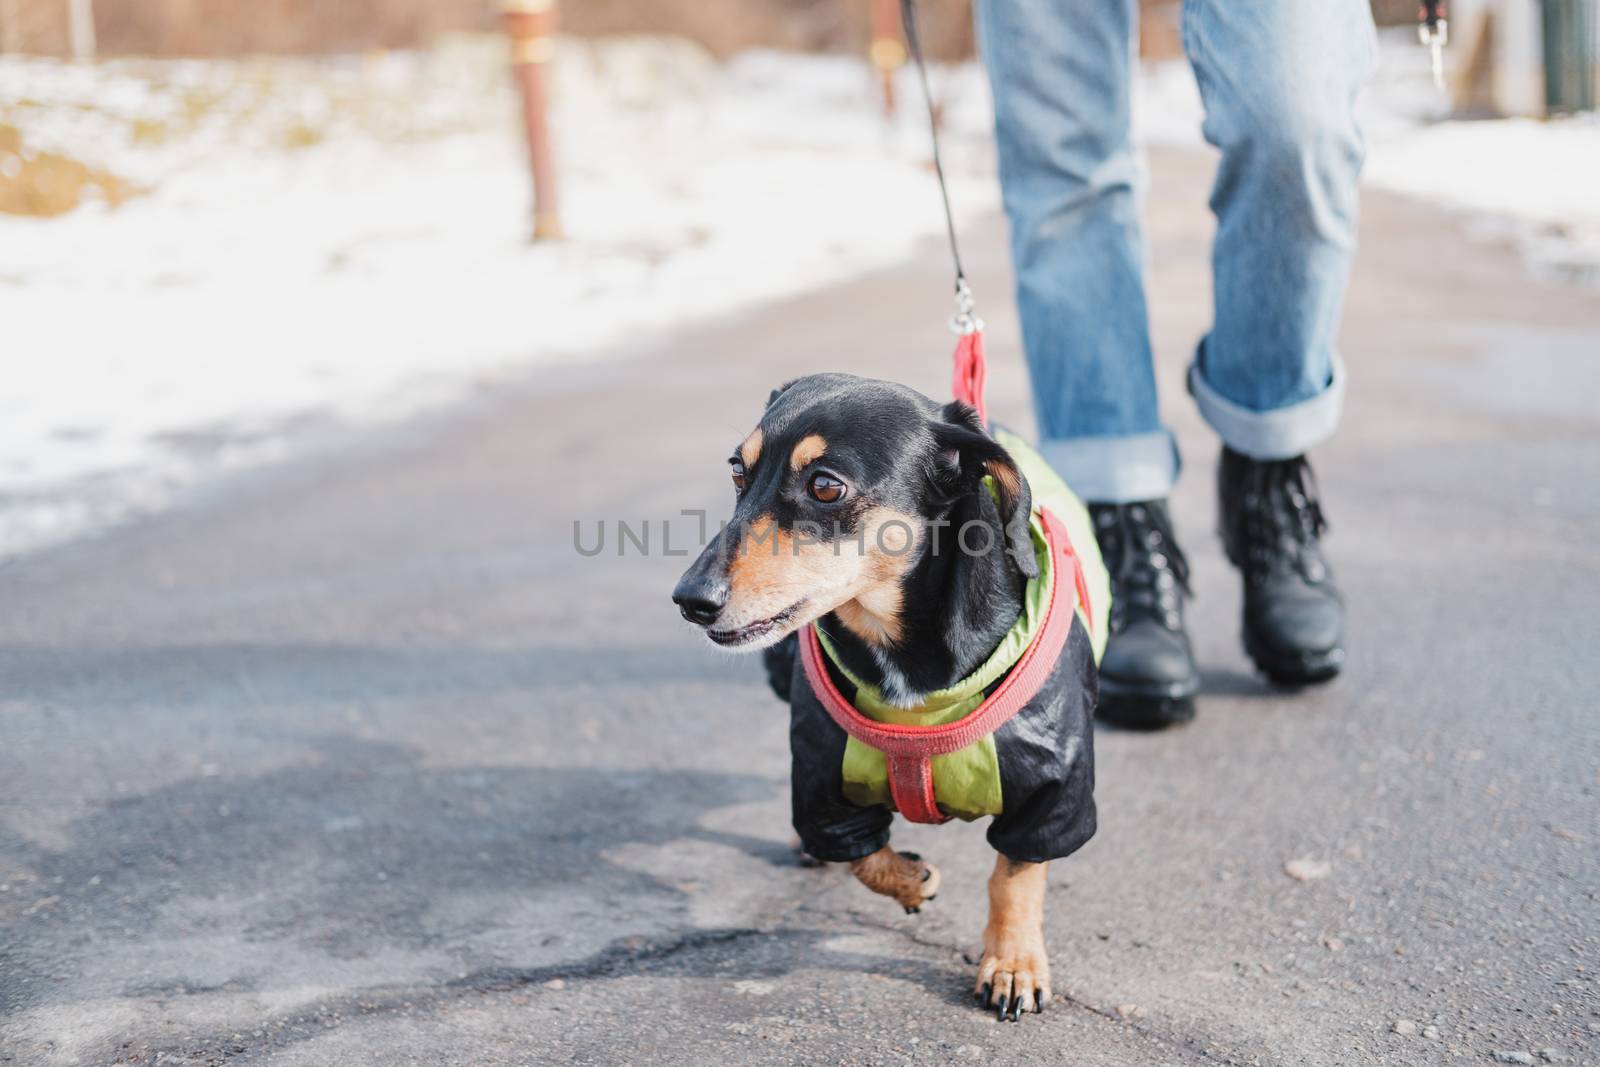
x=357 y=761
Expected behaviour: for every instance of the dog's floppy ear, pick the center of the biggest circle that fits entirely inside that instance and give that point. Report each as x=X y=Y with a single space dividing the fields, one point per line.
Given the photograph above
x=779 y=391
x=967 y=453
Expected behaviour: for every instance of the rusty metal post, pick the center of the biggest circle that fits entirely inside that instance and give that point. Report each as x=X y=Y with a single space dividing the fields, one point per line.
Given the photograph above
x=888 y=51
x=531 y=25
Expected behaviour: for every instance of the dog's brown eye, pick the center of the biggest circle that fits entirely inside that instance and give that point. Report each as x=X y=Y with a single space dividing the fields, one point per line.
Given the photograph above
x=826 y=488
x=738 y=476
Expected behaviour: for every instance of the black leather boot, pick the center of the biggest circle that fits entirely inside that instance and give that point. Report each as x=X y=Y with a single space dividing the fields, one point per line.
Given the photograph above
x=1148 y=678
x=1271 y=524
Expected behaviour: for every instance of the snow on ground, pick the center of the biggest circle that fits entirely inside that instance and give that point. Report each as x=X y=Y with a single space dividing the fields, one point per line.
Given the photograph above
x=341 y=241
x=383 y=265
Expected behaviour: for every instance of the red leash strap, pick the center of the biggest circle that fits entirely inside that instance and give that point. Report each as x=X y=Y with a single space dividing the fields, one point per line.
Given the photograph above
x=970 y=371
x=909 y=750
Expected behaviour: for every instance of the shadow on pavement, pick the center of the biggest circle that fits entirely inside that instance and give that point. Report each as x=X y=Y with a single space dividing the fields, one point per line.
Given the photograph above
x=362 y=853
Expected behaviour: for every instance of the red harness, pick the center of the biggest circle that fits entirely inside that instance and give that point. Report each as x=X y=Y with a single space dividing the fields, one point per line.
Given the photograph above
x=909 y=750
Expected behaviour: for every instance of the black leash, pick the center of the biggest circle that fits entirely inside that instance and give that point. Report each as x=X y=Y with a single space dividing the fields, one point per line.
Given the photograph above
x=908 y=15
x=970 y=368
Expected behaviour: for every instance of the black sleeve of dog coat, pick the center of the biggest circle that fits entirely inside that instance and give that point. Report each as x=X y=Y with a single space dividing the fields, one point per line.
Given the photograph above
x=830 y=827
x=1046 y=756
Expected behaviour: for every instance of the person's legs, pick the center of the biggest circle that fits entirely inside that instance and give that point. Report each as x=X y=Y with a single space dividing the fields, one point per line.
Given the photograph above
x=1279 y=82
x=1061 y=72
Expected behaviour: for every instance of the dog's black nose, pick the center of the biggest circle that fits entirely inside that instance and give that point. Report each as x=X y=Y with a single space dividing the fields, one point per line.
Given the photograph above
x=700 y=602
x=698 y=611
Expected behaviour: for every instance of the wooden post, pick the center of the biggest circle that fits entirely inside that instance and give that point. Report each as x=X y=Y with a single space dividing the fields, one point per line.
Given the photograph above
x=888 y=51
x=531 y=25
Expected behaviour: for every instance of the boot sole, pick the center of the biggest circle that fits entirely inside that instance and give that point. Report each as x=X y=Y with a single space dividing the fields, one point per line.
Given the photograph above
x=1142 y=706
x=1305 y=668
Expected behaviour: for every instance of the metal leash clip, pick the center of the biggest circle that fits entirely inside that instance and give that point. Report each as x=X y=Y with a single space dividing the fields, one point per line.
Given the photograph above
x=965 y=320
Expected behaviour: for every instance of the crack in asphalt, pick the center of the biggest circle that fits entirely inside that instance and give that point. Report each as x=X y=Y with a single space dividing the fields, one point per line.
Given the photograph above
x=632 y=955
x=610 y=962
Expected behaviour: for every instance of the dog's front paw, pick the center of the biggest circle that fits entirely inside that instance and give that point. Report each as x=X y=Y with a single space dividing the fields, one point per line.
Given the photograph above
x=904 y=876
x=1014 y=974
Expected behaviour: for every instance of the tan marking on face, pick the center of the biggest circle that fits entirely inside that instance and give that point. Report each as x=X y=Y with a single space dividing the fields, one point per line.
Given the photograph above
x=809 y=450
x=761 y=564
x=909 y=882
x=1014 y=960
x=774 y=569
x=750 y=450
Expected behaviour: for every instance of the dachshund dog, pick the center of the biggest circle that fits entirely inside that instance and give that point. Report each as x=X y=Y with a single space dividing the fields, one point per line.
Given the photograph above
x=898 y=544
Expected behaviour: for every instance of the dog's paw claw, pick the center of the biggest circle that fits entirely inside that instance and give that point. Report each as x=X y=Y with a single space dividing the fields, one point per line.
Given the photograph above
x=913 y=895
x=1015 y=979
x=928 y=887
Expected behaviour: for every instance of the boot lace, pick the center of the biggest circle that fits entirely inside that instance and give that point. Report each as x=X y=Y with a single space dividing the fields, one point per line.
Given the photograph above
x=1281 y=519
x=1149 y=574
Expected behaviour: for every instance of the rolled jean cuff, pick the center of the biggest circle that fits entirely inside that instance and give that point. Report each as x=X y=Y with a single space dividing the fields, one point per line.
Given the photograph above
x=1268 y=435
x=1115 y=469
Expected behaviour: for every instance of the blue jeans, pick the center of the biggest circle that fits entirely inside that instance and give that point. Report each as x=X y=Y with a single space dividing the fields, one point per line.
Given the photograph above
x=1279 y=81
